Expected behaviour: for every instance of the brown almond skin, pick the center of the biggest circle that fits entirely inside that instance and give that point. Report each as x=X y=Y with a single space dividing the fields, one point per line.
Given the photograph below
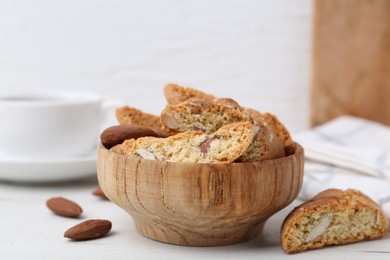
x=89 y=229
x=64 y=207
x=99 y=193
x=118 y=134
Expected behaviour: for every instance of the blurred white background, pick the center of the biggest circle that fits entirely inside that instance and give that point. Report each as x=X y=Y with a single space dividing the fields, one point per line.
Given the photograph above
x=256 y=51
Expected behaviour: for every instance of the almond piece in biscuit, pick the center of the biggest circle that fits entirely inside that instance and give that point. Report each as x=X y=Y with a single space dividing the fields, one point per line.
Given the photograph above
x=223 y=146
x=333 y=217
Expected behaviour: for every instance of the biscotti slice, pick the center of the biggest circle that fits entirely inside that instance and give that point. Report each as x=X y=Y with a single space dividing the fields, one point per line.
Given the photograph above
x=200 y=115
x=208 y=116
x=333 y=217
x=223 y=146
x=265 y=146
x=280 y=130
x=175 y=94
x=130 y=116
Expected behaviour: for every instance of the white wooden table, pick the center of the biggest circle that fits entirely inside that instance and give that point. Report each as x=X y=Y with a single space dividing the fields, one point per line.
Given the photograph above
x=28 y=230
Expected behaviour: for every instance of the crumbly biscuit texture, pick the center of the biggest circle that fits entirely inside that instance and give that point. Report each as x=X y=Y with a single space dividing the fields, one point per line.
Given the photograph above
x=199 y=115
x=223 y=146
x=175 y=94
x=209 y=115
x=333 y=217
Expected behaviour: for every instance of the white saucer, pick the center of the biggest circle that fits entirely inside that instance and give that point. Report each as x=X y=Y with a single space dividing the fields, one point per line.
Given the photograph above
x=50 y=170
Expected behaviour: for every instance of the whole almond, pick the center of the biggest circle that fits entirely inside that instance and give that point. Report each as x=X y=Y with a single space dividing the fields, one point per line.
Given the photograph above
x=99 y=193
x=89 y=229
x=64 y=207
x=118 y=134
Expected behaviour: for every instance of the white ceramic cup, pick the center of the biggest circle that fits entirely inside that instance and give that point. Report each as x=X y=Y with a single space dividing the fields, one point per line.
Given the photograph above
x=47 y=125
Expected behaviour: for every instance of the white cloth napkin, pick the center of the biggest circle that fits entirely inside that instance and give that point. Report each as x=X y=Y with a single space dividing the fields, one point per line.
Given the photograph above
x=347 y=152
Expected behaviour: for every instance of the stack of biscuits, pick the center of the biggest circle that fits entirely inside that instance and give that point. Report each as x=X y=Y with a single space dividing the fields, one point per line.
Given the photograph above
x=200 y=128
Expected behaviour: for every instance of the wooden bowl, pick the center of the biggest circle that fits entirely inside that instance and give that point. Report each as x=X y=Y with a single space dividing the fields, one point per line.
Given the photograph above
x=200 y=204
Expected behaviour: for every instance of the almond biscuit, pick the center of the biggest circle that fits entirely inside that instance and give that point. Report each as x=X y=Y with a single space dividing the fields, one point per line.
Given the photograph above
x=208 y=116
x=333 y=217
x=175 y=94
x=223 y=146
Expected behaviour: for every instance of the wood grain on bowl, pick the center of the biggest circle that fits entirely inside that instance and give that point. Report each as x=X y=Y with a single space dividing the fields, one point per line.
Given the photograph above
x=200 y=204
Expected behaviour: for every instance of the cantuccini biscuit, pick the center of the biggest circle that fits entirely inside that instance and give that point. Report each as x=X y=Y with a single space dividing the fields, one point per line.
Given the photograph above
x=333 y=217
x=223 y=146
x=208 y=116
x=200 y=115
x=175 y=94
